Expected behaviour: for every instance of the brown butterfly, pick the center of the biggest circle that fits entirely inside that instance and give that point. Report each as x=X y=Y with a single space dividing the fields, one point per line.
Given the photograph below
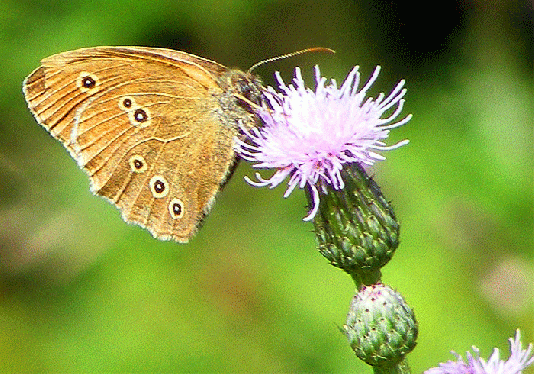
x=153 y=128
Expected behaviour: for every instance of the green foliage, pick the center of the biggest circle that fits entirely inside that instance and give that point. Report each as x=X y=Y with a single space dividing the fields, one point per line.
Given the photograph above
x=81 y=291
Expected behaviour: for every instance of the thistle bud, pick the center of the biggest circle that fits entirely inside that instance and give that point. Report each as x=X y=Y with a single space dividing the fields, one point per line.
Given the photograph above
x=381 y=327
x=356 y=228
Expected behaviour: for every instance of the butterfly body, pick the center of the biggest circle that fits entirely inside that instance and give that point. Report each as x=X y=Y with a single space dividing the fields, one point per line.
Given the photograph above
x=153 y=128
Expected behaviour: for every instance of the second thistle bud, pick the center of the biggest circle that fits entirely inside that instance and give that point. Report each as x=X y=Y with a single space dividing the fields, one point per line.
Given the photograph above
x=355 y=226
x=381 y=327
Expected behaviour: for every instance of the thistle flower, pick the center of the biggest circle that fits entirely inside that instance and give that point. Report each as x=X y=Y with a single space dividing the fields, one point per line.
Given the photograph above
x=519 y=359
x=308 y=136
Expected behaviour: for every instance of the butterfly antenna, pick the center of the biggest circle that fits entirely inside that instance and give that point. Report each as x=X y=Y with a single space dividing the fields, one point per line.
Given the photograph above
x=314 y=49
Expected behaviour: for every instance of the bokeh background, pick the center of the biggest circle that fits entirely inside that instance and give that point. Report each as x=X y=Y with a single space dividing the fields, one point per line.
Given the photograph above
x=81 y=291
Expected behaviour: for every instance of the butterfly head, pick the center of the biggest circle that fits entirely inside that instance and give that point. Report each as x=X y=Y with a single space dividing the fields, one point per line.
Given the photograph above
x=246 y=87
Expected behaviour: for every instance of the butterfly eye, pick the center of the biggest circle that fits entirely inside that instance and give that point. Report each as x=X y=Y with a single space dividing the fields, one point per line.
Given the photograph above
x=140 y=115
x=87 y=81
x=137 y=164
x=126 y=103
x=159 y=187
x=176 y=208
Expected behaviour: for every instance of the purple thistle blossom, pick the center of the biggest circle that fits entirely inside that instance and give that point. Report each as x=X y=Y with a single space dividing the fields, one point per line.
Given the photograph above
x=308 y=136
x=519 y=359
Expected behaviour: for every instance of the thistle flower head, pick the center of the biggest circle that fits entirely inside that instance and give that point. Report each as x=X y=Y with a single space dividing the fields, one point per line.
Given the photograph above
x=309 y=135
x=519 y=359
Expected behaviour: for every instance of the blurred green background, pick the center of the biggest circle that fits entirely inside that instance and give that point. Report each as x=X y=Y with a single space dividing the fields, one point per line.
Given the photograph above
x=81 y=291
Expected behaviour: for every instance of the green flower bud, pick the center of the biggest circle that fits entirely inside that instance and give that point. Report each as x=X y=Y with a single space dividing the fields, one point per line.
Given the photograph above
x=381 y=327
x=355 y=226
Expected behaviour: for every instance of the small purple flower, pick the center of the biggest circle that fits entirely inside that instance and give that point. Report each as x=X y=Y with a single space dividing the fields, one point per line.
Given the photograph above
x=308 y=136
x=519 y=359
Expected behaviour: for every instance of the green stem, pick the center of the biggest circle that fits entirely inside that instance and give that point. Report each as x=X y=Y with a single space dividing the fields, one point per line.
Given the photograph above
x=366 y=278
x=401 y=368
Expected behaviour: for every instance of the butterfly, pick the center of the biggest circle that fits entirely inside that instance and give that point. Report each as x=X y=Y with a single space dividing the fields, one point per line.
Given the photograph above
x=153 y=128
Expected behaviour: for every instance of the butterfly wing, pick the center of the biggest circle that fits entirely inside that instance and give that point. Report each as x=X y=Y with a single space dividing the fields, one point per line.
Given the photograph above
x=146 y=126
